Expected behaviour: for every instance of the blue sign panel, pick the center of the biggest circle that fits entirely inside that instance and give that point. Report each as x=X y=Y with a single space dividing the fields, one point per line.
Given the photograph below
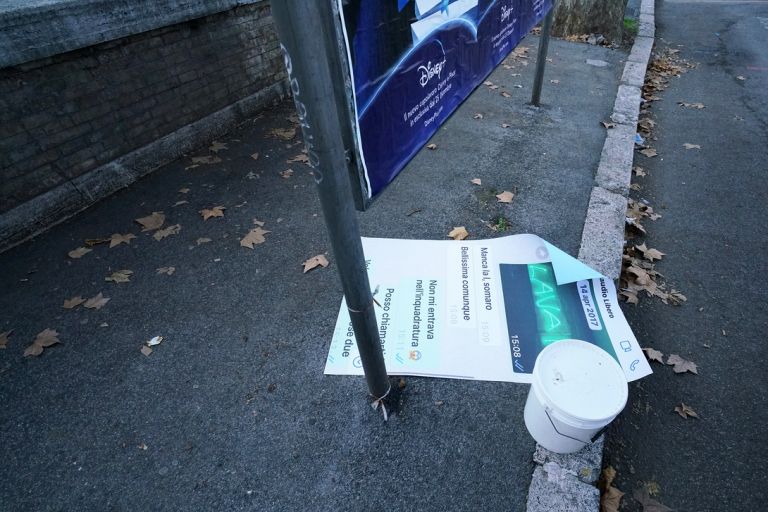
x=414 y=61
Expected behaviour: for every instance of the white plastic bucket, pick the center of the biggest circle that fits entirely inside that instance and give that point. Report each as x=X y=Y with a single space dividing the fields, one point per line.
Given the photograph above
x=577 y=389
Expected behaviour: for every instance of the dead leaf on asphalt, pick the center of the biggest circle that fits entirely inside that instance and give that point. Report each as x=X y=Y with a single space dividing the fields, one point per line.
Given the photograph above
x=78 y=253
x=300 y=158
x=505 y=94
x=209 y=159
x=151 y=222
x=685 y=412
x=90 y=242
x=259 y=223
x=654 y=355
x=166 y=270
x=681 y=365
x=184 y=190
x=254 y=237
x=639 y=171
x=315 y=261
x=166 y=232
x=146 y=351
x=649 y=254
x=120 y=276
x=286 y=173
x=284 y=133
x=688 y=145
x=698 y=106
x=43 y=340
x=477 y=116
x=504 y=125
x=98 y=301
x=73 y=302
x=155 y=341
x=741 y=77
x=4 y=338
x=202 y=241
x=216 y=211
x=179 y=203
x=610 y=497
x=255 y=156
x=117 y=239
x=649 y=504
x=432 y=146
x=554 y=81
x=649 y=152
x=217 y=146
x=458 y=233
x=476 y=181
x=505 y=197
x=607 y=125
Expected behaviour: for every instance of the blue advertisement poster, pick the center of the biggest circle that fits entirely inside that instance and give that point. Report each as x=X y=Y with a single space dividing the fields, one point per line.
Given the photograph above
x=414 y=61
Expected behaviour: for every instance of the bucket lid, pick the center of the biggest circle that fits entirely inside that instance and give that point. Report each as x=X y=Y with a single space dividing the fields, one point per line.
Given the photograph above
x=580 y=383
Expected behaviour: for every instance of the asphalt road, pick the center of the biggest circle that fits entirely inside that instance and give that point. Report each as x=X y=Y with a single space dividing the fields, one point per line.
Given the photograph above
x=713 y=231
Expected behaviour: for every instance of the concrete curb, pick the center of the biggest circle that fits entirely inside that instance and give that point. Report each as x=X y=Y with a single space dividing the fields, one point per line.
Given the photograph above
x=74 y=196
x=566 y=483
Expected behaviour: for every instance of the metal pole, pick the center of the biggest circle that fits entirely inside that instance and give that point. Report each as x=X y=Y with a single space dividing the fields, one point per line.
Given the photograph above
x=541 y=59
x=307 y=36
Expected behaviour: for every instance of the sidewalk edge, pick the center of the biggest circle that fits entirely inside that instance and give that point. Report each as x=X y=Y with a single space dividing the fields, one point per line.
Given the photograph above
x=566 y=483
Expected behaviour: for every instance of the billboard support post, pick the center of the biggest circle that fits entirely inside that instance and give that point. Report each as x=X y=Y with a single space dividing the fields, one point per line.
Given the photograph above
x=541 y=59
x=308 y=42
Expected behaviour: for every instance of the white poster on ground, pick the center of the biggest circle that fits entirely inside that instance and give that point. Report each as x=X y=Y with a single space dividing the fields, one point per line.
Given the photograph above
x=482 y=309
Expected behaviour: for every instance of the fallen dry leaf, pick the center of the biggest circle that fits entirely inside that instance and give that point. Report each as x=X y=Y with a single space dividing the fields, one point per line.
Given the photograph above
x=685 y=412
x=476 y=181
x=505 y=197
x=648 y=503
x=179 y=203
x=504 y=125
x=741 y=77
x=78 y=253
x=90 y=242
x=691 y=105
x=654 y=355
x=300 y=158
x=285 y=134
x=254 y=237
x=676 y=297
x=197 y=160
x=4 y=338
x=458 y=233
x=259 y=223
x=183 y=190
x=681 y=365
x=639 y=171
x=117 y=239
x=146 y=351
x=216 y=211
x=688 y=145
x=286 y=173
x=432 y=146
x=506 y=94
x=610 y=497
x=649 y=152
x=203 y=241
x=554 y=81
x=170 y=230
x=98 y=301
x=217 y=146
x=73 y=302
x=477 y=116
x=255 y=156
x=43 y=340
x=120 y=276
x=151 y=222
x=607 y=125
x=315 y=261
x=166 y=270
x=650 y=254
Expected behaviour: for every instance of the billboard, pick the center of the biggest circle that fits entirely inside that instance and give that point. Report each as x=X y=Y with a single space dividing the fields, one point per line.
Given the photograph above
x=412 y=63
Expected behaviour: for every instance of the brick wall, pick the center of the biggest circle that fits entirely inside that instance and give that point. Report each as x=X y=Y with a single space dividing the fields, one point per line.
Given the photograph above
x=65 y=115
